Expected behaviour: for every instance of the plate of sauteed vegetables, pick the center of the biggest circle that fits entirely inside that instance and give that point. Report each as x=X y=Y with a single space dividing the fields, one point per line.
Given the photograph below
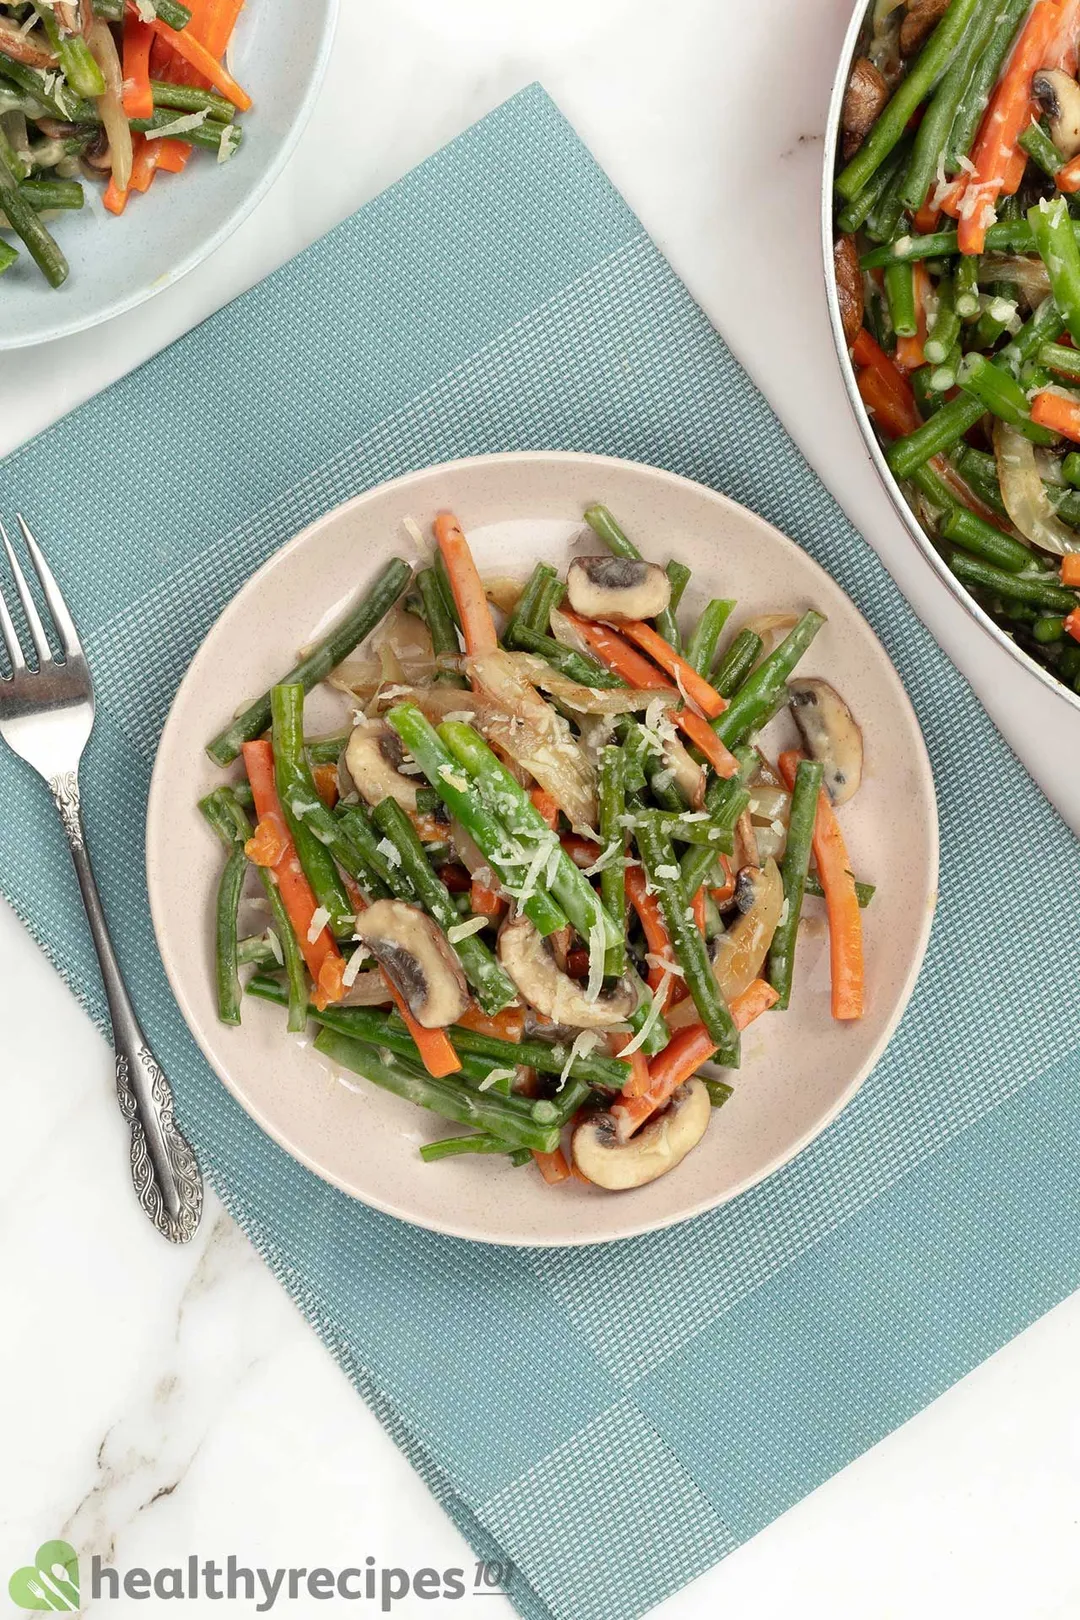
x=134 y=135
x=542 y=848
x=953 y=220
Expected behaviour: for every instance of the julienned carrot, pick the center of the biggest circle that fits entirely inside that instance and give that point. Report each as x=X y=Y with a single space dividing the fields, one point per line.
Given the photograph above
x=220 y=20
x=652 y=923
x=893 y=414
x=324 y=961
x=1072 y=623
x=144 y=163
x=508 y=1025
x=485 y=901
x=325 y=777
x=841 y=902
x=477 y=625
x=1059 y=412
x=552 y=1166
x=683 y=1056
x=925 y=220
x=1003 y=123
x=200 y=58
x=114 y=199
x=1070 y=569
x=172 y=155
x=1068 y=176
x=909 y=350
x=138 y=96
x=686 y=678
x=698 y=905
x=547 y=805
x=626 y=661
x=638 y=1083
x=726 y=891
x=582 y=851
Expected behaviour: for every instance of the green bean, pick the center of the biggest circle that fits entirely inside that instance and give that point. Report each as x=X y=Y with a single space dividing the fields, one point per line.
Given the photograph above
x=299 y=797
x=986 y=65
x=611 y=799
x=765 y=689
x=502 y=1116
x=42 y=194
x=793 y=870
x=443 y=579
x=1070 y=469
x=506 y=799
x=451 y=1147
x=667 y=625
x=933 y=133
x=1010 y=587
x=576 y=666
x=927 y=399
x=493 y=988
x=189 y=98
x=1007 y=236
x=998 y=391
x=1057 y=247
x=73 y=54
x=444 y=636
x=941 y=432
x=909 y=94
x=1048 y=629
x=1067 y=667
x=943 y=377
x=982 y=540
x=966 y=287
x=17 y=165
x=858 y=211
x=687 y=944
x=945 y=326
x=602 y=523
x=1057 y=357
x=110 y=10
x=701 y=648
x=322 y=658
x=51 y=94
x=525 y=606
x=226 y=911
x=255 y=950
x=864 y=892
x=326 y=750
x=25 y=223
x=737 y=662
x=225 y=814
x=719 y=1091
x=214 y=136
x=551 y=594
x=900 y=297
x=8 y=255
x=465 y=804
x=677 y=829
x=1041 y=150
x=979 y=472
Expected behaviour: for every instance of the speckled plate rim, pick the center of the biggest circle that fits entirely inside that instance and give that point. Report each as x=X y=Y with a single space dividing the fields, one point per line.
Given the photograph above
x=160 y=900
x=207 y=245
x=859 y=411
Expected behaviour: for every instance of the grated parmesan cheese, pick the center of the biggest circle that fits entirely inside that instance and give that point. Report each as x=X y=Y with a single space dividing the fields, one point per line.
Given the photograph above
x=448 y=774
x=352 y=966
x=178 y=126
x=319 y=920
x=275 y=945
x=586 y=1041
x=496 y=1074
x=668 y=872
x=462 y=930
x=659 y=997
x=391 y=851
x=597 y=954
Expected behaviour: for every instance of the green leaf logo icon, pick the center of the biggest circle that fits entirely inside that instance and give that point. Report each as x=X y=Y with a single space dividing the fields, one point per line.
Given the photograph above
x=51 y=1581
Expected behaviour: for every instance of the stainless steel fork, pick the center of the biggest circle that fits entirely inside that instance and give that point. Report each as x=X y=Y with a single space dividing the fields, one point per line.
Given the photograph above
x=46 y=715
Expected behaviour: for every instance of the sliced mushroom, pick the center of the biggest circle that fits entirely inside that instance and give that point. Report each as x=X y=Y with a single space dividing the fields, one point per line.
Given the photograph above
x=553 y=994
x=740 y=953
x=658 y=1147
x=849 y=286
x=827 y=728
x=864 y=98
x=20 y=48
x=922 y=17
x=617 y=588
x=415 y=956
x=1059 y=98
x=374 y=755
x=679 y=767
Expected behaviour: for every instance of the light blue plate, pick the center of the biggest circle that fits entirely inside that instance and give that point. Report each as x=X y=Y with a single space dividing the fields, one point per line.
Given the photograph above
x=279 y=56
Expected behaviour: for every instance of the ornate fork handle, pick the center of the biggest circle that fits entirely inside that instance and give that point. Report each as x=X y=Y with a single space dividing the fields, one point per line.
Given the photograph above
x=167 y=1179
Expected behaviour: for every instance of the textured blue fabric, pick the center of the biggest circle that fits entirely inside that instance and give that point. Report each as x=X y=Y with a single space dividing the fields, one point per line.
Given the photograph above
x=638 y=1409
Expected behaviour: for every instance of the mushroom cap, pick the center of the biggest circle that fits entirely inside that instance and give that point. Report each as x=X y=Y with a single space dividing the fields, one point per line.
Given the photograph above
x=373 y=756
x=657 y=1148
x=829 y=731
x=617 y=588
x=1058 y=96
x=417 y=959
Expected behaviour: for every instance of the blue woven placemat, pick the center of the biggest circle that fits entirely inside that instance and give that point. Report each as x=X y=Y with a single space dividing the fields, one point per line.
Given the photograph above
x=638 y=1410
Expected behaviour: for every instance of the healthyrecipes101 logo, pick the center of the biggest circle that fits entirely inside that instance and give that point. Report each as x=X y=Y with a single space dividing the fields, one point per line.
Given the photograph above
x=52 y=1582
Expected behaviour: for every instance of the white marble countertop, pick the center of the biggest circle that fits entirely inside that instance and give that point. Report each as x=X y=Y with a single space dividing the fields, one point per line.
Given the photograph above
x=158 y=1403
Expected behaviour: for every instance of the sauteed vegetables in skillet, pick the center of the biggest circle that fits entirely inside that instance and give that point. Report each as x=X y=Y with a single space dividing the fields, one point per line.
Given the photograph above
x=547 y=877
x=958 y=266
x=106 y=90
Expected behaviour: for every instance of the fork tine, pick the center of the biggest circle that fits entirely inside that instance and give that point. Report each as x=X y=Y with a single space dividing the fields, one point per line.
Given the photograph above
x=65 y=624
x=33 y=618
x=11 y=639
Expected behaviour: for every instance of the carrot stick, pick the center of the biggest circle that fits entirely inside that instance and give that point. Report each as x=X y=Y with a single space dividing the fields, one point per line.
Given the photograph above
x=1072 y=623
x=485 y=901
x=185 y=45
x=626 y=661
x=725 y=893
x=638 y=1082
x=508 y=1025
x=893 y=414
x=1003 y=122
x=144 y=163
x=1068 y=176
x=326 y=783
x=220 y=20
x=698 y=905
x=1059 y=412
x=477 y=625
x=552 y=1166
x=114 y=199
x=925 y=220
x=652 y=923
x=683 y=1056
x=547 y=805
x=172 y=155
x=1070 y=569
x=138 y=96
x=841 y=902
x=582 y=851
x=685 y=676
x=295 y=890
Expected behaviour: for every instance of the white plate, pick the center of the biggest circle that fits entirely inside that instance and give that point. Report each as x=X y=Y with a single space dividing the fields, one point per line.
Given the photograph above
x=279 y=55
x=798 y=1068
